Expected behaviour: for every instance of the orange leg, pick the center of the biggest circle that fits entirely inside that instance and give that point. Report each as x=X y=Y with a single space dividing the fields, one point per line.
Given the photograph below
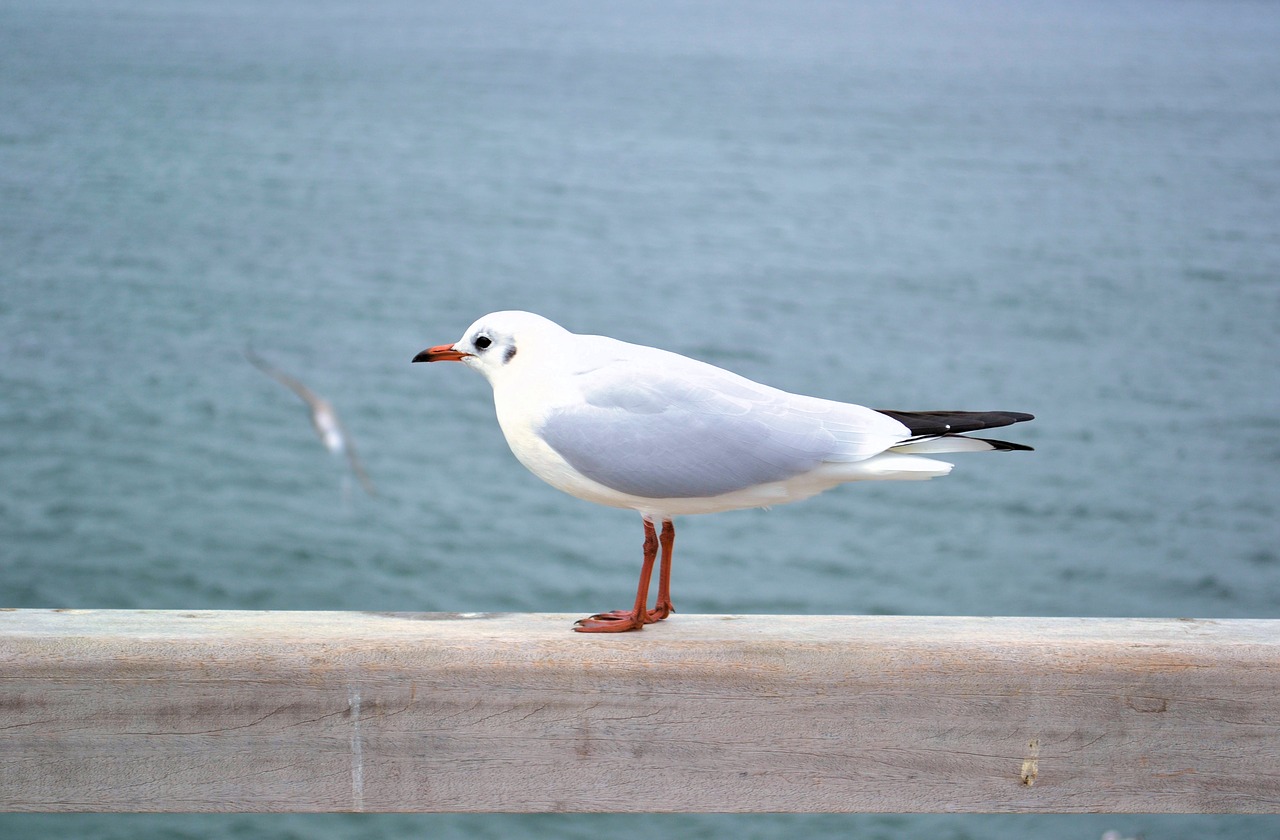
x=620 y=621
x=663 y=607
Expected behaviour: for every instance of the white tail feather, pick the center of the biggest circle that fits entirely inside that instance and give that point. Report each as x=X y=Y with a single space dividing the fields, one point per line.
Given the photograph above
x=895 y=467
x=950 y=443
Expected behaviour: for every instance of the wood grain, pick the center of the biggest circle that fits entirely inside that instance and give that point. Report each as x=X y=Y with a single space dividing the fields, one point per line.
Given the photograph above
x=310 y=711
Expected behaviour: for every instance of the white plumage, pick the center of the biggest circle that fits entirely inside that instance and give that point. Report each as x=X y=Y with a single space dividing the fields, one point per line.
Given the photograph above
x=636 y=427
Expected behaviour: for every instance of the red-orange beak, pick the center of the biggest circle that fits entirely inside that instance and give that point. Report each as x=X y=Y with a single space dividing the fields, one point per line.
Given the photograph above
x=440 y=353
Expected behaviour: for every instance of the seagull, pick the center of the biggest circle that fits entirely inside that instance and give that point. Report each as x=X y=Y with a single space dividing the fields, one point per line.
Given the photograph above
x=323 y=418
x=649 y=430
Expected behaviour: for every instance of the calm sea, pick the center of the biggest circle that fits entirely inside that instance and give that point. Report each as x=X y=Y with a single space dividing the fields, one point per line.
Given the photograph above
x=1071 y=209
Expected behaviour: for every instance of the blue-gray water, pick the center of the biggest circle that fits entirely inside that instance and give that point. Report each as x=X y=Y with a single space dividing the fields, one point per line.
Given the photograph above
x=1070 y=209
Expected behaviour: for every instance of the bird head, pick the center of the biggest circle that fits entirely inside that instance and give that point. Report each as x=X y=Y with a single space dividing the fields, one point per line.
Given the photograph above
x=496 y=341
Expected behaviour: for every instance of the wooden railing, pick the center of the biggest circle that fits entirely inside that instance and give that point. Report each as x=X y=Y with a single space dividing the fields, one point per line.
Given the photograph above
x=312 y=711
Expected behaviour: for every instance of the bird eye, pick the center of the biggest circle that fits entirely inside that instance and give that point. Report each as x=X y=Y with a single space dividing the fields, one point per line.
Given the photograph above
x=482 y=342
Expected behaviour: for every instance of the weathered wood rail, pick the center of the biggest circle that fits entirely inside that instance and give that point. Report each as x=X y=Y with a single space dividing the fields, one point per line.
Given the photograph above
x=311 y=711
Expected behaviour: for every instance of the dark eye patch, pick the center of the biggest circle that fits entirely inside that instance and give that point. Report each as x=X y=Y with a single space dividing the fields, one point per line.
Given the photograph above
x=509 y=354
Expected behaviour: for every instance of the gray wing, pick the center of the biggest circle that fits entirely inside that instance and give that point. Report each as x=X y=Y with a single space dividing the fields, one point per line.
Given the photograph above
x=704 y=433
x=308 y=396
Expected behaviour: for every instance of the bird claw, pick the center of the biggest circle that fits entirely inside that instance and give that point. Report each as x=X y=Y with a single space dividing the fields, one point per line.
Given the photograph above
x=612 y=615
x=607 y=624
x=620 y=621
x=660 y=612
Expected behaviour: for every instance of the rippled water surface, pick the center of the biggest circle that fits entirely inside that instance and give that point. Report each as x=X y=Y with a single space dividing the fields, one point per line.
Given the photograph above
x=1066 y=209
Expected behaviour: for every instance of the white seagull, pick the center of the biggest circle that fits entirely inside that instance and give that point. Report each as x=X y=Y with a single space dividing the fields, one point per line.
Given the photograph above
x=324 y=419
x=664 y=435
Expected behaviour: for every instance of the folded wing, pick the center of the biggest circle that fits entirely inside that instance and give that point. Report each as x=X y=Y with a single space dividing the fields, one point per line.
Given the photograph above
x=705 y=432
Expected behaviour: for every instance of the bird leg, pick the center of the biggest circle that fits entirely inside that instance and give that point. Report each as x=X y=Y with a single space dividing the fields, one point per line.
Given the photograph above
x=663 y=607
x=620 y=621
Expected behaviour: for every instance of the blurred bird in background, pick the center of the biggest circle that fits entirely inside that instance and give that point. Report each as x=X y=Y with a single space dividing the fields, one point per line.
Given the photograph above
x=323 y=419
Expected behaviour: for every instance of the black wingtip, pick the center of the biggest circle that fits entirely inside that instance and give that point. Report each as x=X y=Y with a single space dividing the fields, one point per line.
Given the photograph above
x=1005 y=446
x=955 y=422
